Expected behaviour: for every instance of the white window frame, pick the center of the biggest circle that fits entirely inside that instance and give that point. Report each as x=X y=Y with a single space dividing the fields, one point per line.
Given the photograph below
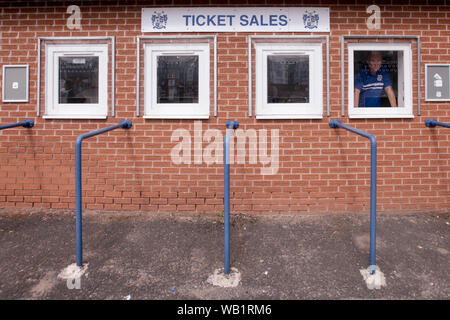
x=155 y=110
x=311 y=110
x=404 y=101
x=56 y=110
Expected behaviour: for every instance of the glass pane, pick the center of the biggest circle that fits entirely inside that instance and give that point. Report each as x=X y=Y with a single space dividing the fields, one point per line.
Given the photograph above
x=374 y=71
x=78 y=80
x=288 y=79
x=177 y=79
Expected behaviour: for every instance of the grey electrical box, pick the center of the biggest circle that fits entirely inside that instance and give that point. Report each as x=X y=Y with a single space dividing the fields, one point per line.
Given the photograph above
x=15 y=83
x=437 y=82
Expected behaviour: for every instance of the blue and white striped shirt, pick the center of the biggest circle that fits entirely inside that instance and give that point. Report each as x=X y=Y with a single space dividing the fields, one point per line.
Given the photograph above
x=371 y=87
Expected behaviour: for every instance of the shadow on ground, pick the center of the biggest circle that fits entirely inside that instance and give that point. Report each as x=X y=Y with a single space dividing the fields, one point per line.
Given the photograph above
x=148 y=256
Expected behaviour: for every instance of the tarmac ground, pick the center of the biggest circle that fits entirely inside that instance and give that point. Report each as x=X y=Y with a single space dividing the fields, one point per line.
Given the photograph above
x=145 y=256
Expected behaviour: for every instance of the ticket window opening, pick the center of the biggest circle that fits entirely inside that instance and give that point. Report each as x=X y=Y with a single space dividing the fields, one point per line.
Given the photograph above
x=388 y=73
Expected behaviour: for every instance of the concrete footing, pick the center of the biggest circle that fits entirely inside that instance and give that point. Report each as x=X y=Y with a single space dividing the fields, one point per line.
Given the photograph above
x=225 y=280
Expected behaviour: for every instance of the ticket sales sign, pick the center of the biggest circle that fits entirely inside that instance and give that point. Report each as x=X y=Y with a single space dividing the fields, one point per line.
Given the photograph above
x=242 y=19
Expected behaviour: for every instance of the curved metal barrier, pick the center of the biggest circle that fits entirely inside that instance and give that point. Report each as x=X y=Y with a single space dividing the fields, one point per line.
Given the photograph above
x=373 y=186
x=125 y=124
x=27 y=123
x=431 y=123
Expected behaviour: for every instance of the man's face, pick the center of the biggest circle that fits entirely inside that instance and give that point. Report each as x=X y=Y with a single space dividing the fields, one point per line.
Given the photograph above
x=374 y=63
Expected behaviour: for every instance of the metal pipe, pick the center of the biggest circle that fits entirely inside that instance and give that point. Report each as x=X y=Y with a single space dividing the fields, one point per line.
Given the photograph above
x=342 y=78
x=27 y=123
x=328 y=76
x=178 y=37
x=231 y=125
x=113 y=76
x=431 y=123
x=126 y=124
x=75 y=38
x=418 y=76
x=215 y=76
x=38 y=84
x=250 y=76
x=373 y=186
x=138 y=74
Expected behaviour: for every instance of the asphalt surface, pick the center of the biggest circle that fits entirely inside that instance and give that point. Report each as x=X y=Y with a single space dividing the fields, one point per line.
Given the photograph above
x=145 y=256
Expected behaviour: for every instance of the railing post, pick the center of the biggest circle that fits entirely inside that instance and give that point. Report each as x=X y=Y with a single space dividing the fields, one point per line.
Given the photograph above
x=125 y=124
x=27 y=123
x=78 y=203
x=231 y=125
x=373 y=201
x=431 y=123
x=373 y=187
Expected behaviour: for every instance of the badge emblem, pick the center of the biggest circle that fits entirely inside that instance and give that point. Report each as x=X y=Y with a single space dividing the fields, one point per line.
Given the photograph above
x=311 y=20
x=380 y=77
x=159 y=20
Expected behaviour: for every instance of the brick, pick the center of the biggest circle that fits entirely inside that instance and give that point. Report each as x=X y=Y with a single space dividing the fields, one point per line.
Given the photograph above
x=318 y=172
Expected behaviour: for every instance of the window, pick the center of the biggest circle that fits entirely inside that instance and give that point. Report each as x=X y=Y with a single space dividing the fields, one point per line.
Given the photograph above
x=176 y=80
x=289 y=81
x=379 y=80
x=76 y=78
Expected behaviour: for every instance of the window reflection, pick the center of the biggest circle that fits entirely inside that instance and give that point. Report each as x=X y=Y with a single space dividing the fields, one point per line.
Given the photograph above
x=288 y=79
x=78 y=79
x=375 y=73
x=177 y=79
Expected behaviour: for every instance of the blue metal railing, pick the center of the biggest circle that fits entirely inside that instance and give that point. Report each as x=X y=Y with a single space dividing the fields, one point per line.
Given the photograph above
x=25 y=123
x=373 y=186
x=126 y=124
x=231 y=125
x=431 y=123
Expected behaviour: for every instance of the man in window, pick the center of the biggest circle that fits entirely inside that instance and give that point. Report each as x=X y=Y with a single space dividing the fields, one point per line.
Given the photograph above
x=370 y=83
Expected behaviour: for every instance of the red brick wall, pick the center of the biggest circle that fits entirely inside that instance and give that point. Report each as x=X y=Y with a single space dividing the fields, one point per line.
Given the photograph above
x=321 y=170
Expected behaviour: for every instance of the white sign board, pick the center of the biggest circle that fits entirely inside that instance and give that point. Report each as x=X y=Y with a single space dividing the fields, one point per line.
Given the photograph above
x=15 y=83
x=242 y=19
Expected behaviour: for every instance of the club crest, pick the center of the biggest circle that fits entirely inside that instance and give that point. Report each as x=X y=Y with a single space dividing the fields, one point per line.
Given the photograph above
x=159 y=20
x=311 y=20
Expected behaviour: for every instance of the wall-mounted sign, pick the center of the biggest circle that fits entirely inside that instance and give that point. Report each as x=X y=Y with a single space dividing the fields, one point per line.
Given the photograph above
x=437 y=82
x=243 y=19
x=15 y=83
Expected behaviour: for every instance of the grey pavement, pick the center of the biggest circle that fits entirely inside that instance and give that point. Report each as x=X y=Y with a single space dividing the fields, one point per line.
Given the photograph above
x=137 y=255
